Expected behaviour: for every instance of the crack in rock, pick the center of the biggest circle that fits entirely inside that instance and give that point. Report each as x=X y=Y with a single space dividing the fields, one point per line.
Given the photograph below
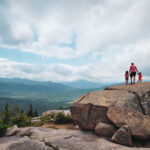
x=140 y=101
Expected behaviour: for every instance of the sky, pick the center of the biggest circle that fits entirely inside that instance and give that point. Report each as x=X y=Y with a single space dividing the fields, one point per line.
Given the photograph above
x=69 y=40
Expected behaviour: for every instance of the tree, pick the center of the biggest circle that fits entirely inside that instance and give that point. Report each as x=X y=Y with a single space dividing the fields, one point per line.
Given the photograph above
x=61 y=108
x=22 y=111
x=6 y=115
x=15 y=110
x=22 y=120
x=36 y=114
x=3 y=128
x=30 y=113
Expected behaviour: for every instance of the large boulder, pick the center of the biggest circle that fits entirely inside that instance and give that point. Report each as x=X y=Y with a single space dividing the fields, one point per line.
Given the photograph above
x=110 y=98
x=87 y=116
x=90 y=109
x=138 y=123
x=123 y=136
x=105 y=130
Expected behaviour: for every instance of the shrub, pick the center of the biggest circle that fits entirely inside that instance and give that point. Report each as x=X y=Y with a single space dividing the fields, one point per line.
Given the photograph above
x=3 y=128
x=47 y=118
x=59 y=118
x=63 y=119
x=44 y=119
x=22 y=120
x=69 y=119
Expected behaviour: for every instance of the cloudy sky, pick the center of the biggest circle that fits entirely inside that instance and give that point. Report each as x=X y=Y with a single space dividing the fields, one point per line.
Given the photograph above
x=68 y=40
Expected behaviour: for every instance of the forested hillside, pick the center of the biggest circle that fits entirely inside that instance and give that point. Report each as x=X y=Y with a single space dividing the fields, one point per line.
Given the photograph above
x=43 y=95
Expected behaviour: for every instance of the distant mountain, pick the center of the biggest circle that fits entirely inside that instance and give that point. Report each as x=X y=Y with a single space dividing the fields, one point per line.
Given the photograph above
x=83 y=84
x=24 y=85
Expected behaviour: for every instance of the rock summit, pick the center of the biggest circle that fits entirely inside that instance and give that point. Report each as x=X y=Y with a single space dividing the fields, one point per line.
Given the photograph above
x=116 y=106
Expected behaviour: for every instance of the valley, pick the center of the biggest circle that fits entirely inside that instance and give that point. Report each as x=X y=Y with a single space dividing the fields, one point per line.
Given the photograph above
x=43 y=95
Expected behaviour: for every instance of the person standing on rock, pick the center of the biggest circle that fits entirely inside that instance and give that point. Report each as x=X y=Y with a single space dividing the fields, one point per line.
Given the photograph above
x=126 y=77
x=133 y=70
x=140 y=77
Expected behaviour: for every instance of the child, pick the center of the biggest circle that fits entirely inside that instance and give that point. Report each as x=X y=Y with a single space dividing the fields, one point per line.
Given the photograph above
x=126 y=77
x=140 y=77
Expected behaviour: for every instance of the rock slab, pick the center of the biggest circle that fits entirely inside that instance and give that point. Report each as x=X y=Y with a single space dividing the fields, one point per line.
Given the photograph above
x=65 y=139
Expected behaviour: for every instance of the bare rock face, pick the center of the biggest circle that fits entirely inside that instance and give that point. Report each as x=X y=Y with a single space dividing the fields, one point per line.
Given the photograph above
x=90 y=109
x=138 y=123
x=105 y=130
x=142 y=91
x=122 y=136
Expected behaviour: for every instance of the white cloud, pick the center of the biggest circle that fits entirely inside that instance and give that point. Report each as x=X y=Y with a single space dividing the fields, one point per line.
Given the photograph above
x=55 y=72
x=97 y=24
x=118 y=30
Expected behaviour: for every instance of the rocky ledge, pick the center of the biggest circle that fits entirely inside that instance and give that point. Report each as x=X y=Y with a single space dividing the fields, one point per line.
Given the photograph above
x=37 y=138
x=120 y=112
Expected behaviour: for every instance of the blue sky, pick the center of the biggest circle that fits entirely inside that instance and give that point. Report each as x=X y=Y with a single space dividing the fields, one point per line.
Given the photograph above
x=19 y=56
x=74 y=40
x=25 y=57
x=72 y=44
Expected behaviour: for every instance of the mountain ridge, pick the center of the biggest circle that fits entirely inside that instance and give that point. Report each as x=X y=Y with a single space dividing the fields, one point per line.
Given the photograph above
x=25 y=85
x=18 y=84
x=85 y=84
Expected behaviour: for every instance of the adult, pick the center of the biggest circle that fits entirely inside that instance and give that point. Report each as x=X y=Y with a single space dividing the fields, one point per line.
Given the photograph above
x=132 y=71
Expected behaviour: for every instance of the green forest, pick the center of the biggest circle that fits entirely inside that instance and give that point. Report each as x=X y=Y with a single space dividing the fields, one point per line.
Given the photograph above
x=41 y=101
x=43 y=95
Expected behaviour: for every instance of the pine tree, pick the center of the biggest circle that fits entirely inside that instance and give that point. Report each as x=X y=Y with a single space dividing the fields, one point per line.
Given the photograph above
x=36 y=114
x=61 y=107
x=7 y=115
x=30 y=113
x=22 y=111
x=15 y=110
x=22 y=120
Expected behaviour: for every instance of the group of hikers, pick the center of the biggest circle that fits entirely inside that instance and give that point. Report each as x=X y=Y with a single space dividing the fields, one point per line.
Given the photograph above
x=132 y=73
